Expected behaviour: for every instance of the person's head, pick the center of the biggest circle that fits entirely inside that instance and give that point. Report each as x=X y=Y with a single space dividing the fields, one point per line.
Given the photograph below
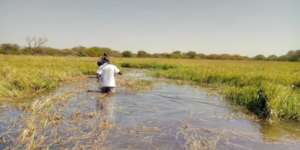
x=103 y=61
x=106 y=60
x=104 y=56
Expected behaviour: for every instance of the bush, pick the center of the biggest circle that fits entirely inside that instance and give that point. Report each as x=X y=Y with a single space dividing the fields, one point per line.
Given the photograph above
x=9 y=48
x=259 y=57
x=127 y=54
x=142 y=54
x=191 y=54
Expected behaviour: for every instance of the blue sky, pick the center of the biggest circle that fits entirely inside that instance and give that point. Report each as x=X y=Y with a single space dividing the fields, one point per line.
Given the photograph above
x=246 y=27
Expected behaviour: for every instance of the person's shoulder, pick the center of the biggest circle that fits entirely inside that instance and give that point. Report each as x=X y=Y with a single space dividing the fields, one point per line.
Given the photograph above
x=104 y=66
x=112 y=65
x=101 y=67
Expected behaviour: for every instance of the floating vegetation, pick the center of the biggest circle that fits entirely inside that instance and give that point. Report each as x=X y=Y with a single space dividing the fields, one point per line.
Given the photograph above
x=135 y=85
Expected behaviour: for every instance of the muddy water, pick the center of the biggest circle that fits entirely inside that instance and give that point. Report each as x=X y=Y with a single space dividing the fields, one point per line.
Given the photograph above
x=167 y=116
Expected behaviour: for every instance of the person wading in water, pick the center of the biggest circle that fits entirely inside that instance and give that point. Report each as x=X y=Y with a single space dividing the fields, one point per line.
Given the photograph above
x=106 y=75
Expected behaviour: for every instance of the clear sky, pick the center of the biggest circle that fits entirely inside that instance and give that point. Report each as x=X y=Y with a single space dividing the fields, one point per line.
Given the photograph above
x=245 y=27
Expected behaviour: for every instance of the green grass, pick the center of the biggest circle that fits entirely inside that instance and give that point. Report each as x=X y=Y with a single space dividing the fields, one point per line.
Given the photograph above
x=22 y=77
x=269 y=89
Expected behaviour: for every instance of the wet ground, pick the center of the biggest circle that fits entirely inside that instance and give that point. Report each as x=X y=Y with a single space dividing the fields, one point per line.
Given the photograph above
x=166 y=116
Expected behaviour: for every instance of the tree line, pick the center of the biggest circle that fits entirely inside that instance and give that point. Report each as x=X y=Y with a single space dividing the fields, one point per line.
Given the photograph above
x=35 y=47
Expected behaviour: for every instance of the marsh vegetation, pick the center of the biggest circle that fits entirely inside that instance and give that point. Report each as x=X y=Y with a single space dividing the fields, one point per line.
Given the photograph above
x=22 y=77
x=269 y=89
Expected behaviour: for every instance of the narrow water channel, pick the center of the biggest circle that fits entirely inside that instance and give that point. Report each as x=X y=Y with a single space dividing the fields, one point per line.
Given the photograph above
x=166 y=116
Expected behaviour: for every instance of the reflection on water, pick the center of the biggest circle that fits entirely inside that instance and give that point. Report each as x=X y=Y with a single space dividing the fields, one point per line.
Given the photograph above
x=280 y=130
x=168 y=116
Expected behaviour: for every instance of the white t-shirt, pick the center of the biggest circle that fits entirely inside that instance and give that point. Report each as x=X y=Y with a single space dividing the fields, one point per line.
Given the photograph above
x=107 y=75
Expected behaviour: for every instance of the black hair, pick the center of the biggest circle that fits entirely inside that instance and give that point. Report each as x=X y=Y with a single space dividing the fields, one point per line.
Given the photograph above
x=105 y=60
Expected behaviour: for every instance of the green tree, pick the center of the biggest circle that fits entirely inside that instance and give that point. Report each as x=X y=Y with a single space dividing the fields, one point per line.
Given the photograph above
x=115 y=53
x=142 y=54
x=8 y=48
x=191 y=54
x=80 y=51
x=201 y=55
x=212 y=56
x=293 y=55
x=176 y=54
x=127 y=53
x=97 y=51
x=272 y=57
x=259 y=57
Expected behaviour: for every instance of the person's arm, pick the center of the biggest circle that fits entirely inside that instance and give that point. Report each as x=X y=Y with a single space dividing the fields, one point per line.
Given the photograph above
x=99 y=73
x=117 y=70
x=98 y=77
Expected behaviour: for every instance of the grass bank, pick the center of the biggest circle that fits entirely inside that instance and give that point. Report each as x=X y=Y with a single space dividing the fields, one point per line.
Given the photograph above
x=22 y=77
x=269 y=89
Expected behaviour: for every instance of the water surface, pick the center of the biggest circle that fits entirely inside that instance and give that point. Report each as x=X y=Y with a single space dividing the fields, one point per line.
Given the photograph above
x=167 y=116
